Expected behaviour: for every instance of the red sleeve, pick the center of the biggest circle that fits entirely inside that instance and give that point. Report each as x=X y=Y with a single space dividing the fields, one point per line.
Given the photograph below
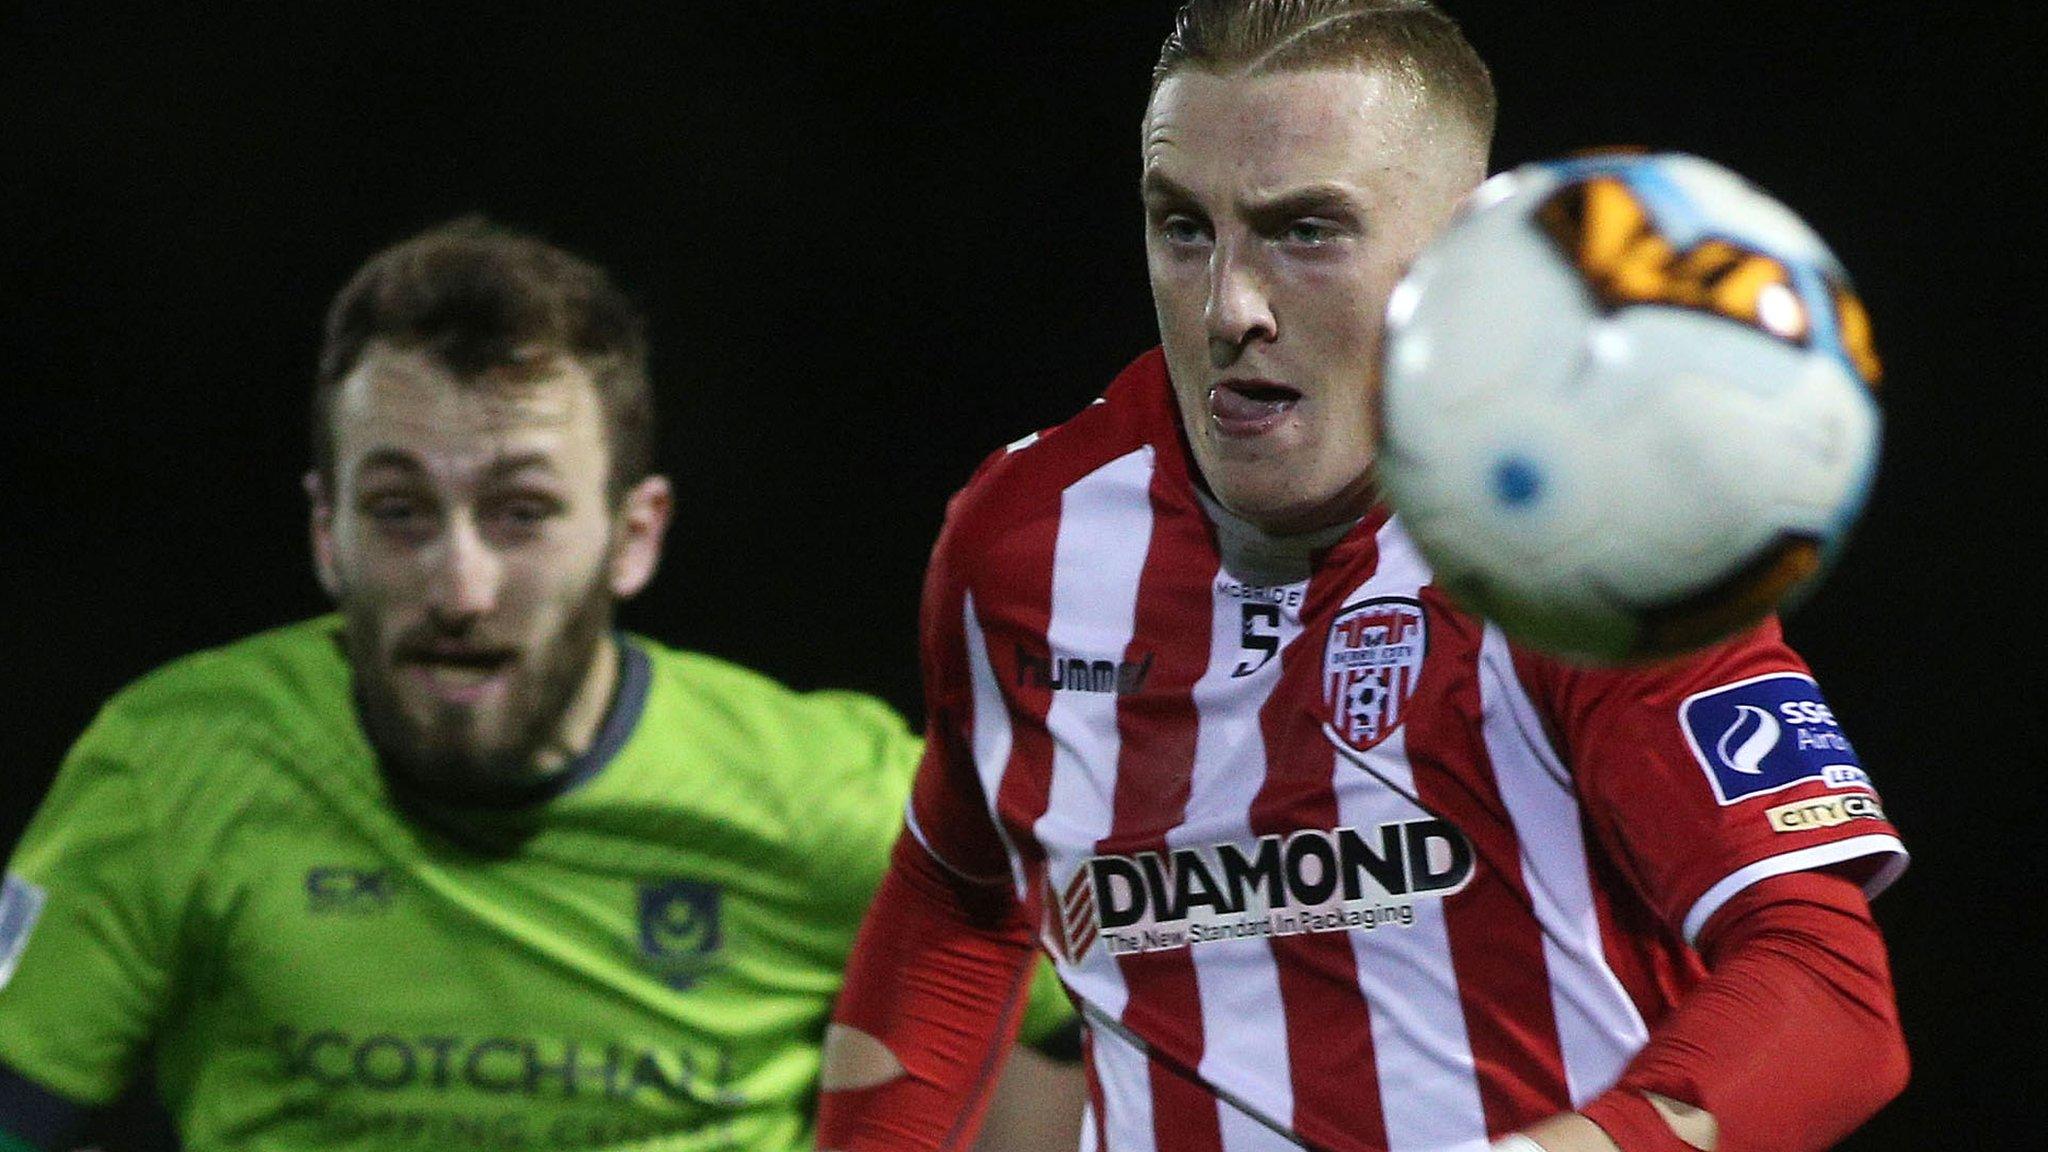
x=1702 y=775
x=1791 y=1041
x=949 y=812
x=939 y=976
x=940 y=968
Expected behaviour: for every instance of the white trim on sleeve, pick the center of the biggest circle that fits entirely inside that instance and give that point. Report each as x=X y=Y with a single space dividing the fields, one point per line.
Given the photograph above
x=1803 y=860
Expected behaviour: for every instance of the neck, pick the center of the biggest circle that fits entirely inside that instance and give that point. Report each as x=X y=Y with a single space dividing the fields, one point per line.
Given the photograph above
x=586 y=711
x=1347 y=506
x=1344 y=507
x=1259 y=557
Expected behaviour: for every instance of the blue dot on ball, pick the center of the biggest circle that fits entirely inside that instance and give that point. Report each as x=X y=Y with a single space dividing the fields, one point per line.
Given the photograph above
x=1516 y=482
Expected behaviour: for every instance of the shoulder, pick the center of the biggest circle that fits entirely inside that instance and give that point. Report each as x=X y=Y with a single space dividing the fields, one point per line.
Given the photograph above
x=200 y=746
x=1023 y=482
x=267 y=669
x=743 y=715
x=1757 y=653
x=283 y=691
x=819 y=778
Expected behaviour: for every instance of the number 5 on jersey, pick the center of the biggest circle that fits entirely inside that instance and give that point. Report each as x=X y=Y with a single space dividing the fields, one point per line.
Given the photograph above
x=1258 y=633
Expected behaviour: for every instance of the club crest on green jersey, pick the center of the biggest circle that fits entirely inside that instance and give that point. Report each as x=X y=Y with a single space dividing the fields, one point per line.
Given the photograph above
x=680 y=934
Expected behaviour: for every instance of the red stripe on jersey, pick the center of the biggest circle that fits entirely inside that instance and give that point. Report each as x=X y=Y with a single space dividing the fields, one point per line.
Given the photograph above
x=1329 y=1028
x=1647 y=958
x=1652 y=963
x=1095 y=1100
x=1156 y=733
x=946 y=800
x=1654 y=966
x=998 y=544
x=1496 y=942
x=1026 y=573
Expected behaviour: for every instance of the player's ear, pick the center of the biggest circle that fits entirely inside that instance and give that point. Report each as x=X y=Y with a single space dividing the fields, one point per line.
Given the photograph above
x=643 y=518
x=320 y=507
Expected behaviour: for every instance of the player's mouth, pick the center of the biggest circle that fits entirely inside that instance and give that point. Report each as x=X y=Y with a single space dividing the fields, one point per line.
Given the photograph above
x=1242 y=409
x=456 y=675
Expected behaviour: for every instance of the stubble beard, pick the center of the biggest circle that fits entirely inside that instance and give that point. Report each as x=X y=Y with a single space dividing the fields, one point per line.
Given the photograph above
x=447 y=757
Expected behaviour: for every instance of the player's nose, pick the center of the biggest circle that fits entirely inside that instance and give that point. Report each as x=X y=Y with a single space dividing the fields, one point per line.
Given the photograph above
x=468 y=574
x=1240 y=309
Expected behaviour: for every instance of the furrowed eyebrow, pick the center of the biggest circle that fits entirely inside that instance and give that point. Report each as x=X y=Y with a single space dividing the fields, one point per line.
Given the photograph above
x=1328 y=200
x=394 y=460
x=390 y=459
x=505 y=466
x=1157 y=187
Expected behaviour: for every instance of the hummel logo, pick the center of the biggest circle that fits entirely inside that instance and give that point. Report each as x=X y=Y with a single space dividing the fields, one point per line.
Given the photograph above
x=1073 y=674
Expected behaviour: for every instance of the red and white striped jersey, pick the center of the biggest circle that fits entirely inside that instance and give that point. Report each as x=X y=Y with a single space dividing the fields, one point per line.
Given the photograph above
x=1319 y=837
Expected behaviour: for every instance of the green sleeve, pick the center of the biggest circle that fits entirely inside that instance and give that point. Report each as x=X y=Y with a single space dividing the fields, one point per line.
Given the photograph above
x=1049 y=1020
x=852 y=811
x=861 y=816
x=85 y=964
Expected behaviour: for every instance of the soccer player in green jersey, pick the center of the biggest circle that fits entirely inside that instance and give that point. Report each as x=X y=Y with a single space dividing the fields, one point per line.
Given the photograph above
x=460 y=867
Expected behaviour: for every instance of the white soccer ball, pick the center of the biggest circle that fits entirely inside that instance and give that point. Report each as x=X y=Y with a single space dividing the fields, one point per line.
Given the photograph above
x=1628 y=406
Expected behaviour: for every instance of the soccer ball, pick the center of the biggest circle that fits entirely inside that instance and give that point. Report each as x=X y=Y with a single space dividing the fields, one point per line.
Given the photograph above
x=1628 y=405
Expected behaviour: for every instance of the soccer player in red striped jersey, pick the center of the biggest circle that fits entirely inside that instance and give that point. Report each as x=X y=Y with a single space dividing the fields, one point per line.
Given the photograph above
x=1326 y=862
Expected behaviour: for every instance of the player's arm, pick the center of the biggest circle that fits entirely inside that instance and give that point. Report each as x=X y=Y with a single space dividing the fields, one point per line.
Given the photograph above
x=939 y=975
x=1796 y=1015
x=85 y=945
x=1795 y=1019
x=1038 y=1102
x=1038 y=1099
x=933 y=997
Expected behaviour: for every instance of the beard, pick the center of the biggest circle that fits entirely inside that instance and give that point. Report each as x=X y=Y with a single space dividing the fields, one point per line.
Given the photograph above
x=453 y=754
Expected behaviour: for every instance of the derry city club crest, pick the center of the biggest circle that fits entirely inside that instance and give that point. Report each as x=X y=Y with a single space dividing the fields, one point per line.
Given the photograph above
x=1371 y=661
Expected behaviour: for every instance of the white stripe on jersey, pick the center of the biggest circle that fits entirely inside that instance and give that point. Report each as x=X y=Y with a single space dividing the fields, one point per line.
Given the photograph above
x=1098 y=558
x=990 y=725
x=1429 y=1082
x=1598 y=1027
x=1244 y=1024
x=1126 y=1076
x=1241 y=1133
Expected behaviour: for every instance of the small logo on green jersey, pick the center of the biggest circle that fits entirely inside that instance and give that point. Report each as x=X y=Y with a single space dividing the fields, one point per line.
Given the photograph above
x=338 y=889
x=679 y=930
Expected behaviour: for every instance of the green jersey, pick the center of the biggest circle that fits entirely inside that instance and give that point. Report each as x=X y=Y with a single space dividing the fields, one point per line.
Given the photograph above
x=222 y=877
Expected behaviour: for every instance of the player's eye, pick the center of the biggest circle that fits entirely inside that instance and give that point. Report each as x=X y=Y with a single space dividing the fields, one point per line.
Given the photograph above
x=1181 y=230
x=1309 y=233
x=521 y=516
x=397 y=514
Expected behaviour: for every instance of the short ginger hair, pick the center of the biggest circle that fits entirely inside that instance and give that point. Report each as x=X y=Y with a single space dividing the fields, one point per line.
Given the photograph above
x=1412 y=40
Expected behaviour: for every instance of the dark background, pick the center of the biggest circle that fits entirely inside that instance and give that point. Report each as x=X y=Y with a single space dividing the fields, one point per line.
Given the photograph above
x=874 y=247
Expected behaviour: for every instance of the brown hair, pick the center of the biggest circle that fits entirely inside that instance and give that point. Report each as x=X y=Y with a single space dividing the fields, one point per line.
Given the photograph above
x=1411 y=39
x=486 y=300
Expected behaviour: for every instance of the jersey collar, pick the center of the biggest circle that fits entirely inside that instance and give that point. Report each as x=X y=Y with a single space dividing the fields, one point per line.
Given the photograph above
x=629 y=702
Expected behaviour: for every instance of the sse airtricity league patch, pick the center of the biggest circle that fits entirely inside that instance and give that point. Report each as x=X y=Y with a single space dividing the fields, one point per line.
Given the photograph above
x=1768 y=733
x=20 y=903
